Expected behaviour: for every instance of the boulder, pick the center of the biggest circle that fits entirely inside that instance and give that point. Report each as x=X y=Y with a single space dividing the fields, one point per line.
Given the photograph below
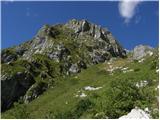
x=74 y=68
x=136 y=114
x=141 y=51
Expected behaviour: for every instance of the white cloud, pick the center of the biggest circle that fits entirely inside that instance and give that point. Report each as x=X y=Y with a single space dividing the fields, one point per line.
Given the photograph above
x=127 y=9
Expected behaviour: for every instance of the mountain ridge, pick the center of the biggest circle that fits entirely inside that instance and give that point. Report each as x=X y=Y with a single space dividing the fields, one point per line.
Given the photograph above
x=71 y=47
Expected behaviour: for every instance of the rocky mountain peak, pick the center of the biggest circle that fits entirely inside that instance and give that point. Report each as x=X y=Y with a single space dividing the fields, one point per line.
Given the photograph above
x=56 y=50
x=79 y=25
x=82 y=26
x=99 y=34
x=96 y=40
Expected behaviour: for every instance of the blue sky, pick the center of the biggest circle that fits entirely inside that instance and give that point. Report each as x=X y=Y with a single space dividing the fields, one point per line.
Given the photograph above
x=130 y=23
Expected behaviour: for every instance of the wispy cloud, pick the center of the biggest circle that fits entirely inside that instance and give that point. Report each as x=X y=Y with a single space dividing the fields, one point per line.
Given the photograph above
x=30 y=13
x=127 y=9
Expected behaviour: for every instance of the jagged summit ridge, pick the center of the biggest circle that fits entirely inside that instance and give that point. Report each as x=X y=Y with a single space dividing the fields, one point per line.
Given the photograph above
x=96 y=39
x=81 y=26
x=83 y=32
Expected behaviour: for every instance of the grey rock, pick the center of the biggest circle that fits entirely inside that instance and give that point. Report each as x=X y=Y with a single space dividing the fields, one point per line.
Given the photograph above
x=34 y=91
x=47 y=30
x=97 y=58
x=74 y=68
x=141 y=51
x=97 y=32
x=60 y=53
x=55 y=55
x=20 y=50
x=85 y=26
x=101 y=36
x=8 y=56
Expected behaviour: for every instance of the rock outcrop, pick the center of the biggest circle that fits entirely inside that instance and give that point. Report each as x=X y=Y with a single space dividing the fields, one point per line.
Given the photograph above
x=8 y=55
x=34 y=91
x=136 y=114
x=141 y=51
x=101 y=36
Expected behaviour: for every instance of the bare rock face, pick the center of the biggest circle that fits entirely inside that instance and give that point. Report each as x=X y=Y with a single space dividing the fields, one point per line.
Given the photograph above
x=13 y=87
x=99 y=34
x=34 y=91
x=141 y=51
x=8 y=56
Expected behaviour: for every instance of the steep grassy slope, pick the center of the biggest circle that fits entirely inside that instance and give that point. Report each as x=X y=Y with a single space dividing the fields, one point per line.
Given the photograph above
x=125 y=85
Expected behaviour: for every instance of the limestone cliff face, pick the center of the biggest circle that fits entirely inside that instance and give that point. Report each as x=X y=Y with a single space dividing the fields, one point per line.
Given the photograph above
x=101 y=36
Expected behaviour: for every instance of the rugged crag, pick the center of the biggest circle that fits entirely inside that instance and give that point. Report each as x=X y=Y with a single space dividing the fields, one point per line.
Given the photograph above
x=56 y=50
x=141 y=51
